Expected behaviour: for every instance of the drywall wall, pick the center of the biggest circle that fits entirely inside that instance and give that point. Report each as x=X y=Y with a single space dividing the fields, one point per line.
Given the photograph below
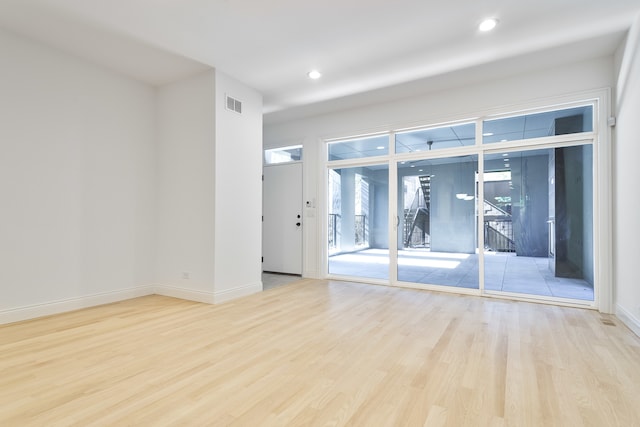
x=186 y=183
x=77 y=182
x=426 y=108
x=238 y=190
x=626 y=209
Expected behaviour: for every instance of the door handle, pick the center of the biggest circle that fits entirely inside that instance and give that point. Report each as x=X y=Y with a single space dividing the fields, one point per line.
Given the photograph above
x=298 y=224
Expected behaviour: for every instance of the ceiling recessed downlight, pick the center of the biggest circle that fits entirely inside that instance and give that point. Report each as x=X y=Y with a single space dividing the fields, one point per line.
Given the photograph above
x=488 y=24
x=314 y=74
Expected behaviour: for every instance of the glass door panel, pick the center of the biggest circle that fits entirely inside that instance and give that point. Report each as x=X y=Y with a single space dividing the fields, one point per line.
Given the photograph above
x=538 y=222
x=437 y=223
x=358 y=236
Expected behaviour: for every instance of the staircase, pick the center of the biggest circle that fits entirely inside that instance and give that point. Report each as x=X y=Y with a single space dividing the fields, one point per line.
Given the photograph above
x=498 y=226
x=417 y=216
x=498 y=229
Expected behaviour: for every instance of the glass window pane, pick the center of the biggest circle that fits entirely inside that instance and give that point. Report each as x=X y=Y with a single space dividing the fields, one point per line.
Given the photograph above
x=538 y=125
x=283 y=155
x=437 y=241
x=436 y=138
x=538 y=222
x=358 y=148
x=358 y=239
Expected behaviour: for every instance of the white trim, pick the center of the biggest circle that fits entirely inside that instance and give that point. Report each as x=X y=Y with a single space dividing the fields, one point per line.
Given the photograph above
x=602 y=209
x=628 y=319
x=71 y=304
x=183 y=293
x=241 y=291
x=208 y=297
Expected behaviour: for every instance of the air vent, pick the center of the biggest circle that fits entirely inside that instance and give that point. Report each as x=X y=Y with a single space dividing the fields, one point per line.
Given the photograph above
x=234 y=105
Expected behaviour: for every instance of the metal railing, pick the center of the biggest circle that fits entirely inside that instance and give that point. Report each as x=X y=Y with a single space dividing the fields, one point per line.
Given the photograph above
x=498 y=235
x=333 y=230
x=360 y=227
x=360 y=230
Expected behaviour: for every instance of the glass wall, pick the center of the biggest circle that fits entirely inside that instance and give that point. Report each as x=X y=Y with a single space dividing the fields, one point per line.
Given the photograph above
x=523 y=209
x=538 y=222
x=358 y=236
x=437 y=228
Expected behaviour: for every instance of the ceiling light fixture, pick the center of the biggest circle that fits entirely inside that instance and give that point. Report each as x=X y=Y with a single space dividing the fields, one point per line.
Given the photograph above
x=314 y=74
x=488 y=24
x=381 y=147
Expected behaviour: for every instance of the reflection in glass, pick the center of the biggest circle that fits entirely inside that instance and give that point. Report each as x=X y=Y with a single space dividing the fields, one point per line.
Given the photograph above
x=435 y=138
x=437 y=222
x=538 y=125
x=283 y=155
x=377 y=145
x=358 y=239
x=538 y=222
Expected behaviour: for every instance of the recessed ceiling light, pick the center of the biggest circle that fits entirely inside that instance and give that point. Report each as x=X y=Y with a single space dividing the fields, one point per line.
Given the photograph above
x=505 y=155
x=314 y=74
x=488 y=24
x=381 y=147
x=488 y=134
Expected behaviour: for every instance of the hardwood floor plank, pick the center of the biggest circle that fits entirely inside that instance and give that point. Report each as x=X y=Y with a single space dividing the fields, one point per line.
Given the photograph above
x=321 y=353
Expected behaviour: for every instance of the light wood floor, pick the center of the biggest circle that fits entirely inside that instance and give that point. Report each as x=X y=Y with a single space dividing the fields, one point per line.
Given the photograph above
x=321 y=353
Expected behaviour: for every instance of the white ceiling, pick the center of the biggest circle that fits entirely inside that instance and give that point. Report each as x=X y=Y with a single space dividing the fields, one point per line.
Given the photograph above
x=360 y=46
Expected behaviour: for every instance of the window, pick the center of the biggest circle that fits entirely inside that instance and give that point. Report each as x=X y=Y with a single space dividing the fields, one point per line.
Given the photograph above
x=283 y=155
x=538 y=125
x=436 y=138
x=369 y=146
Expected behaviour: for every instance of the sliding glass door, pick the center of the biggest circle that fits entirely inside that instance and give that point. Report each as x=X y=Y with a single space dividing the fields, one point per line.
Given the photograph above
x=437 y=229
x=538 y=222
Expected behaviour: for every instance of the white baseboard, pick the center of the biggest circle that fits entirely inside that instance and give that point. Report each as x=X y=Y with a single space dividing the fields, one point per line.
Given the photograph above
x=182 y=293
x=208 y=297
x=70 y=304
x=628 y=319
x=241 y=291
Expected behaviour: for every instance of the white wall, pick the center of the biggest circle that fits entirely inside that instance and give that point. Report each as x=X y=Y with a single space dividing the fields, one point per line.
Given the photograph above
x=238 y=191
x=186 y=183
x=76 y=182
x=112 y=188
x=209 y=189
x=427 y=108
x=626 y=209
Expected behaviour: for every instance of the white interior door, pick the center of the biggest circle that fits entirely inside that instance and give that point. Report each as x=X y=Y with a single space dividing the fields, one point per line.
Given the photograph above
x=282 y=218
